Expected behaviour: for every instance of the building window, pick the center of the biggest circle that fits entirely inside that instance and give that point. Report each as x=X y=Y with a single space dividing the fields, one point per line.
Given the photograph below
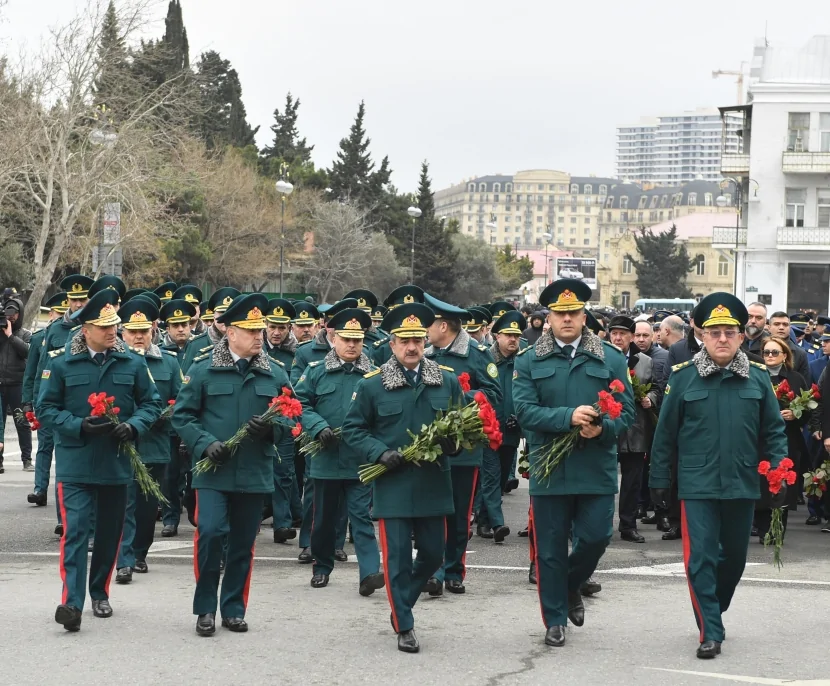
x=518 y=219
x=707 y=199
x=664 y=200
x=653 y=204
x=587 y=220
x=587 y=230
x=605 y=257
x=563 y=188
x=798 y=132
x=495 y=197
x=540 y=187
x=661 y=215
x=573 y=220
x=508 y=188
x=626 y=265
x=796 y=200
x=625 y=300
x=588 y=189
x=640 y=217
x=471 y=187
x=692 y=199
x=538 y=220
x=561 y=220
x=519 y=198
x=574 y=189
x=540 y=208
x=823 y=213
x=824 y=131
x=603 y=189
x=642 y=203
x=573 y=241
x=624 y=202
x=482 y=188
x=573 y=231
x=507 y=219
x=586 y=241
x=723 y=266
x=607 y=244
x=609 y=201
x=519 y=187
x=700 y=268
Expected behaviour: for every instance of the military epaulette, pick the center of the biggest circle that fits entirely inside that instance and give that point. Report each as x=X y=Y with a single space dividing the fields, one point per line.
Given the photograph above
x=206 y=348
x=379 y=343
x=281 y=364
x=315 y=363
x=302 y=343
x=171 y=352
x=201 y=357
x=137 y=351
x=523 y=351
x=682 y=365
x=758 y=365
x=374 y=372
x=816 y=346
x=482 y=347
x=55 y=353
x=75 y=328
x=445 y=368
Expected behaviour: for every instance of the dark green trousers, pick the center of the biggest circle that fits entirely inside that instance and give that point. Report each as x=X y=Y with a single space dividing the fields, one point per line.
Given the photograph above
x=404 y=576
x=592 y=519
x=328 y=494
x=715 y=544
x=284 y=481
x=139 y=521
x=308 y=513
x=77 y=503
x=220 y=516
x=458 y=524
x=493 y=472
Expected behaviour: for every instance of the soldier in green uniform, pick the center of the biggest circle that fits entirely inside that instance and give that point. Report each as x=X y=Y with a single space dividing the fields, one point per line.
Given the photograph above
x=155 y=446
x=368 y=302
x=111 y=282
x=325 y=391
x=199 y=345
x=404 y=394
x=206 y=315
x=305 y=325
x=402 y=295
x=497 y=464
x=230 y=386
x=193 y=295
x=91 y=469
x=176 y=315
x=477 y=324
x=718 y=420
x=319 y=346
x=555 y=385
x=132 y=293
x=377 y=314
x=58 y=305
x=165 y=291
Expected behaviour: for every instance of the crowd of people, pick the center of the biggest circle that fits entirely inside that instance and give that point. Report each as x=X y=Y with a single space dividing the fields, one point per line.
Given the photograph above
x=187 y=373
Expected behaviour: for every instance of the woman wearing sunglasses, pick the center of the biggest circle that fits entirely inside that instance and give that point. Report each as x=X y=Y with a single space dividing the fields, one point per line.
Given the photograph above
x=779 y=360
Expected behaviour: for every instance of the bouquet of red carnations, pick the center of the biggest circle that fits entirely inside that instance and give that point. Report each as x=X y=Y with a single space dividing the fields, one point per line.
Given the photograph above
x=776 y=478
x=28 y=417
x=815 y=482
x=788 y=400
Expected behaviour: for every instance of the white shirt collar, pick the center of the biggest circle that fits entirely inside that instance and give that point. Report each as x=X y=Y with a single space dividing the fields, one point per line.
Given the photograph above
x=574 y=344
x=236 y=357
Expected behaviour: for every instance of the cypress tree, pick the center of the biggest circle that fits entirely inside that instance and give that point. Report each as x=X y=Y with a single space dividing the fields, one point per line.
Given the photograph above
x=663 y=264
x=287 y=147
x=435 y=255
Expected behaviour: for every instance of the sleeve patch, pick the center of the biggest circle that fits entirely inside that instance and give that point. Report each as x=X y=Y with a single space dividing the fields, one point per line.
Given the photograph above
x=301 y=379
x=46 y=374
x=668 y=388
x=185 y=379
x=515 y=374
x=354 y=395
x=492 y=371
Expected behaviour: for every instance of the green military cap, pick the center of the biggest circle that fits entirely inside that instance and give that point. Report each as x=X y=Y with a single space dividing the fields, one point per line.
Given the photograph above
x=565 y=295
x=130 y=294
x=177 y=311
x=108 y=281
x=221 y=299
x=280 y=311
x=366 y=300
x=100 y=309
x=720 y=309
x=138 y=314
x=206 y=314
x=378 y=313
x=166 y=290
x=351 y=322
x=443 y=310
x=150 y=296
x=404 y=295
x=76 y=286
x=193 y=294
x=339 y=306
x=306 y=314
x=410 y=320
x=511 y=322
x=323 y=308
x=245 y=311
x=499 y=308
x=58 y=302
x=479 y=316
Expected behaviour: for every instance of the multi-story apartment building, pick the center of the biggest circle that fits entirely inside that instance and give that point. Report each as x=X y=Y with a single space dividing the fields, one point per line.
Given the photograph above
x=674 y=149
x=782 y=245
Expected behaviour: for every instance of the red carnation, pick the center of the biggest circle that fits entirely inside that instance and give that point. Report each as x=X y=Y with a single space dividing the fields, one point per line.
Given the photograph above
x=297 y=430
x=171 y=402
x=786 y=463
x=616 y=386
x=790 y=478
x=464 y=380
x=823 y=487
x=764 y=467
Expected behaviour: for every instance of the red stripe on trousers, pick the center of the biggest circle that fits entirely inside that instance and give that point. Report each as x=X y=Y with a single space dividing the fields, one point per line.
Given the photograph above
x=246 y=589
x=532 y=533
x=62 y=506
x=687 y=552
x=532 y=547
x=196 y=538
x=467 y=532
x=384 y=547
x=114 y=562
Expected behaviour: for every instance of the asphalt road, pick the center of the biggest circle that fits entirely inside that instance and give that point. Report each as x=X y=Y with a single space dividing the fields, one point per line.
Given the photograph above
x=639 y=630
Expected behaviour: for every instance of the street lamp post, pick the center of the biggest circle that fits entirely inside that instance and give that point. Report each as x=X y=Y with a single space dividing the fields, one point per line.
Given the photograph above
x=547 y=237
x=493 y=227
x=413 y=212
x=284 y=189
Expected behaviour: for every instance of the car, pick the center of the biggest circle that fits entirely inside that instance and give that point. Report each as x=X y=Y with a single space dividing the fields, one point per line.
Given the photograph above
x=569 y=273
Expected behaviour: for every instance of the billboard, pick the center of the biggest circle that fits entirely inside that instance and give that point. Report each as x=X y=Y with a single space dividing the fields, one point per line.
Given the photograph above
x=584 y=268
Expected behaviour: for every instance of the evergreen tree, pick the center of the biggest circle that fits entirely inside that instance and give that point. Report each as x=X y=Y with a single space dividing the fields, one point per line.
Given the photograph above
x=175 y=39
x=513 y=271
x=435 y=254
x=288 y=147
x=222 y=119
x=159 y=61
x=112 y=60
x=663 y=264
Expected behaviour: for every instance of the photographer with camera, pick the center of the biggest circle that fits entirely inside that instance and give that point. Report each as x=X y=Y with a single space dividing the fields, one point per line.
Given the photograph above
x=14 y=350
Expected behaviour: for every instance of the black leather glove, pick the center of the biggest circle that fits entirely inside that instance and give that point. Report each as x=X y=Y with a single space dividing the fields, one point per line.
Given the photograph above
x=182 y=450
x=217 y=452
x=27 y=407
x=124 y=432
x=258 y=427
x=448 y=446
x=660 y=497
x=392 y=460
x=327 y=438
x=512 y=423
x=779 y=499
x=97 y=426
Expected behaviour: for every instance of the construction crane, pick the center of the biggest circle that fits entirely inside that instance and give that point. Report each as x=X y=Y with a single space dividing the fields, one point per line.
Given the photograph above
x=740 y=80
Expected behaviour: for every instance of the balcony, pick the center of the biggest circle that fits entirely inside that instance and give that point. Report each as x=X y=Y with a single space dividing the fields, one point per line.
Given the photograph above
x=734 y=163
x=723 y=237
x=805 y=162
x=803 y=238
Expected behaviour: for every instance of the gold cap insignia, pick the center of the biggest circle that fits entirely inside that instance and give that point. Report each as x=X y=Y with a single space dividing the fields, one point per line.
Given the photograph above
x=304 y=315
x=106 y=311
x=227 y=301
x=411 y=322
x=138 y=317
x=64 y=303
x=361 y=302
x=208 y=312
x=514 y=326
x=352 y=324
x=191 y=298
x=278 y=312
x=409 y=299
x=168 y=294
x=566 y=296
x=720 y=312
x=178 y=313
x=254 y=314
x=77 y=288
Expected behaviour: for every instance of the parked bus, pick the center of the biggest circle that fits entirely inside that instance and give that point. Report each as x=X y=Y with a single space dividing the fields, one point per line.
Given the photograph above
x=672 y=304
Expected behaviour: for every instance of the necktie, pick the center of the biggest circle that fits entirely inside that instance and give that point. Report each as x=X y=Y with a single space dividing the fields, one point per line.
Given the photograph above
x=348 y=367
x=242 y=365
x=99 y=359
x=412 y=377
x=568 y=350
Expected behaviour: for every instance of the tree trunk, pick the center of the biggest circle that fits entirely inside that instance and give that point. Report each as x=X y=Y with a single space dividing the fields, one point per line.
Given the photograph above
x=43 y=279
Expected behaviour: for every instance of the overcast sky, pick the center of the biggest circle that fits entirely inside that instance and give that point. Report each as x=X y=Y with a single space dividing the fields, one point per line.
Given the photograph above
x=473 y=87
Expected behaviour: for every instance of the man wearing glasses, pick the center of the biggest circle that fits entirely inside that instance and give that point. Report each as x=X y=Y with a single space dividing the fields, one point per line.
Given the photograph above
x=718 y=420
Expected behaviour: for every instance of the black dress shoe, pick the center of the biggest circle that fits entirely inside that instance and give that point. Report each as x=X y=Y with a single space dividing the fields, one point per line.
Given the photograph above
x=576 y=609
x=319 y=581
x=140 y=567
x=500 y=533
x=236 y=624
x=206 y=624
x=69 y=616
x=341 y=556
x=812 y=520
x=59 y=530
x=37 y=498
x=650 y=519
x=673 y=534
x=283 y=534
x=523 y=533
x=124 y=575
x=454 y=586
x=433 y=587
x=371 y=583
x=305 y=558
x=632 y=536
x=708 y=650
x=531 y=575
x=641 y=512
x=590 y=588
x=408 y=642
x=169 y=530
x=555 y=636
x=484 y=531
x=101 y=608
x=511 y=485
x=663 y=523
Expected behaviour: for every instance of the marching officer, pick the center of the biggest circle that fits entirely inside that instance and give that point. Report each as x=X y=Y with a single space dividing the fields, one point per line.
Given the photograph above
x=478 y=322
x=165 y=291
x=193 y=295
x=306 y=323
x=402 y=395
x=555 y=385
x=377 y=314
x=111 y=282
x=325 y=390
x=92 y=471
x=202 y=344
x=368 y=302
x=228 y=387
x=318 y=348
x=155 y=446
x=402 y=295
x=176 y=315
x=718 y=420
x=451 y=344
